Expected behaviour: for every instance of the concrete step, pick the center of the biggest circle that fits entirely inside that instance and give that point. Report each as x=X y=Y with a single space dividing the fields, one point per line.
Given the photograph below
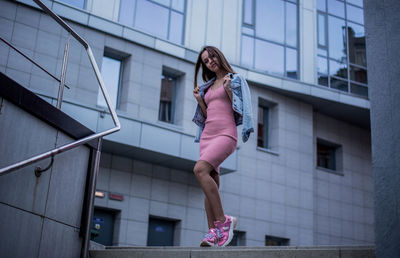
x=236 y=252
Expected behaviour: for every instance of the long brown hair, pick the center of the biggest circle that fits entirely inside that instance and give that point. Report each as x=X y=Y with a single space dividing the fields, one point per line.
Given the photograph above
x=206 y=73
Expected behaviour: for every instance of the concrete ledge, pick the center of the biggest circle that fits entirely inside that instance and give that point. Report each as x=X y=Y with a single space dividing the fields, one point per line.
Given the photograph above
x=240 y=251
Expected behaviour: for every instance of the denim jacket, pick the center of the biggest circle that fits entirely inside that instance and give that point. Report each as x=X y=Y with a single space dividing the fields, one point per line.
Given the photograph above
x=241 y=104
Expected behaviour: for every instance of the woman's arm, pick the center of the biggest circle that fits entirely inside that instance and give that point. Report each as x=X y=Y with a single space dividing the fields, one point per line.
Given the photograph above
x=227 y=86
x=197 y=96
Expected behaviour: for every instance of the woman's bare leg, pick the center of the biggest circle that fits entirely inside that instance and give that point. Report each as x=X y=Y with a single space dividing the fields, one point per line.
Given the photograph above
x=210 y=215
x=202 y=171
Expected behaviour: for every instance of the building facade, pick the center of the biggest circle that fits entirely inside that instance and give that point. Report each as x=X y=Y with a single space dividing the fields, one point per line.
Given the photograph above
x=303 y=178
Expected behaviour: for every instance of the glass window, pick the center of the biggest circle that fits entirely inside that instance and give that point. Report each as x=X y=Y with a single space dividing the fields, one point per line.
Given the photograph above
x=327 y=154
x=247 y=50
x=322 y=65
x=357 y=52
x=356 y=2
x=175 y=32
x=111 y=73
x=270 y=20
x=337 y=69
x=337 y=38
x=126 y=12
x=162 y=18
x=321 y=5
x=359 y=89
x=358 y=74
x=248 y=12
x=76 y=3
x=291 y=63
x=178 y=5
x=344 y=35
x=321 y=30
x=269 y=57
x=239 y=238
x=291 y=24
x=152 y=18
x=270 y=45
x=163 y=2
x=338 y=84
x=336 y=7
x=263 y=127
x=276 y=241
x=355 y=14
x=166 y=109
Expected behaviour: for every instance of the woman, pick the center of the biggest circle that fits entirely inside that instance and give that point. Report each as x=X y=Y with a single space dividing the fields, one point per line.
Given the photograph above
x=222 y=105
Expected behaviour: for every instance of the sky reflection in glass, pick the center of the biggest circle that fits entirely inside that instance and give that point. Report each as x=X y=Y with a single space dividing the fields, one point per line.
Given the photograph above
x=270 y=20
x=110 y=71
x=337 y=41
x=269 y=57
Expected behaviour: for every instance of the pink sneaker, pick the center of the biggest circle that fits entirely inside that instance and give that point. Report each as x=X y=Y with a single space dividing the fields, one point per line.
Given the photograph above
x=226 y=230
x=211 y=238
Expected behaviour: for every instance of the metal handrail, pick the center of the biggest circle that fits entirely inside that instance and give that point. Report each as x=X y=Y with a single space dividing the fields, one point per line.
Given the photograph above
x=76 y=143
x=51 y=153
x=32 y=61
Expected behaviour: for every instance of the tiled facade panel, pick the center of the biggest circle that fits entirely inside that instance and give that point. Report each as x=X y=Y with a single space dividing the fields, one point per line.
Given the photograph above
x=344 y=212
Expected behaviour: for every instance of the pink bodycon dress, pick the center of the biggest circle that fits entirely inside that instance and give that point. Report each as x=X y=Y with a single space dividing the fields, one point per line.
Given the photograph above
x=219 y=136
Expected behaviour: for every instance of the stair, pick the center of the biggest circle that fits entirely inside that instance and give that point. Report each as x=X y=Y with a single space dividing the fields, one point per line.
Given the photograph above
x=236 y=252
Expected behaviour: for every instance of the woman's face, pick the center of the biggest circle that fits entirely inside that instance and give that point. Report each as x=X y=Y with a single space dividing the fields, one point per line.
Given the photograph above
x=211 y=63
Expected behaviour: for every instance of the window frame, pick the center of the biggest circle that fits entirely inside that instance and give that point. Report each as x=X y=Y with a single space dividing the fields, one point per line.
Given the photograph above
x=328 y=57
x=121 y=57
x=170 y=10
x=285 y=45
x=173 y=99
x=338 y=156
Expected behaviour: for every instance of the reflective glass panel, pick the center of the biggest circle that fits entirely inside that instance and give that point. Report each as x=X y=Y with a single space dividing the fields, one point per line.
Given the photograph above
x=270 y=20
x=356 y=2
x=358 y=74
x=322 y=52
x=110 y=71
x=269 y=57
x=291 y=63
x=321 y=5
x=322 y=65
x=248 y=31
x=247 y=51
x=339 y=84
x=152 y=18
x=248 y=12
x=321 y=30
x=178 y=5
x=165 y=112
x=355 y=14
x=337 y=38
x=358 y=89
x=176 y=27
x=336 y=7
x=323 y=79
x=76 y=3
x=337 y=69
x=126 y=12
x=357 y=52
x=291 y=24
x=163 y=2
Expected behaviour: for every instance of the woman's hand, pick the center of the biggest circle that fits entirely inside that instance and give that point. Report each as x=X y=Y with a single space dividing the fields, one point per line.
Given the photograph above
x=196 y=93
x=227 y=83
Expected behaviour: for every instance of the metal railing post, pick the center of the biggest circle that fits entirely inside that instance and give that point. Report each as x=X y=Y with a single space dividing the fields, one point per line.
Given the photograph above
x=63 y=74
x=92 y=189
